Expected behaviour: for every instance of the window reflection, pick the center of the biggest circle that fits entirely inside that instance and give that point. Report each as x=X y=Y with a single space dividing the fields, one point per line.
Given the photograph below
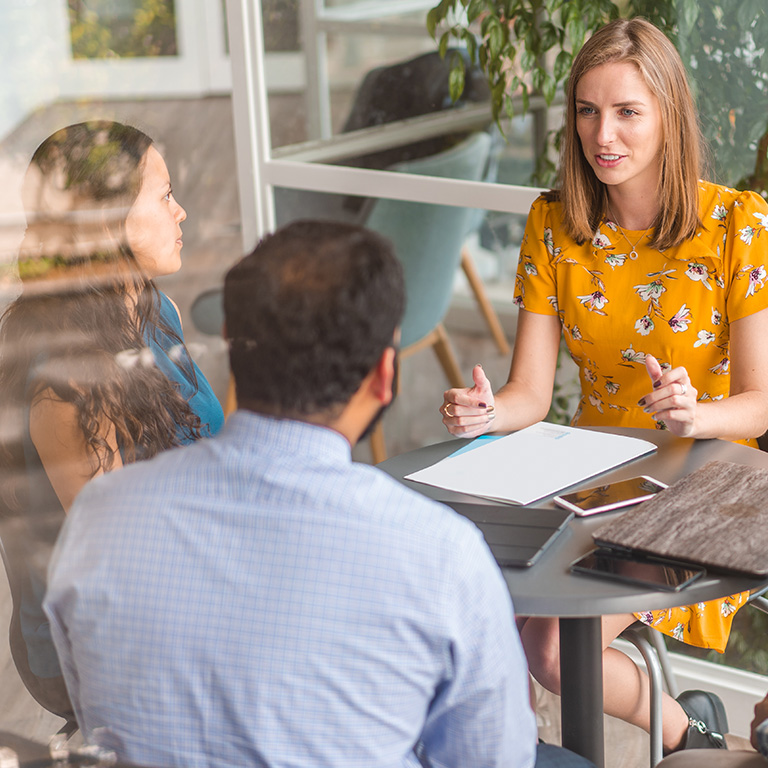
x=94 y=371
x=101 y=29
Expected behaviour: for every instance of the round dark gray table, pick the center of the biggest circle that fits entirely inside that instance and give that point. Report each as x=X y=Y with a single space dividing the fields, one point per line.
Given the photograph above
x=550 y=589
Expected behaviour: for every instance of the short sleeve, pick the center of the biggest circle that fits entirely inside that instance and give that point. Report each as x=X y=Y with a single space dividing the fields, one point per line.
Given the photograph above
x=536 y=280
x=745 y=252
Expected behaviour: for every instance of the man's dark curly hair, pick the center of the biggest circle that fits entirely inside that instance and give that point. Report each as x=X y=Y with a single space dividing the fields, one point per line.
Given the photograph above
x=308 y=315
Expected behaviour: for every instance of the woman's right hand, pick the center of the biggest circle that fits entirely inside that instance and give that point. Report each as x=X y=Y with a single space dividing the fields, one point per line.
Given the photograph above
x=469 y=412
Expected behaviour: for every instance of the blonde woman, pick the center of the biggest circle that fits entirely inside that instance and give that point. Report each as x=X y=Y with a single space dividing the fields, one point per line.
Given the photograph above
x=656 y=279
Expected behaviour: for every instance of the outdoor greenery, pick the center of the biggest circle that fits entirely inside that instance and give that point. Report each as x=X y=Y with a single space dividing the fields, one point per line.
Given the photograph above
x=119 y=29
x=525 y=47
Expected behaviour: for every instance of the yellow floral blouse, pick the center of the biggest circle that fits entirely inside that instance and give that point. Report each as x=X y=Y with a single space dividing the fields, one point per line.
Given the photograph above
x=675 y=304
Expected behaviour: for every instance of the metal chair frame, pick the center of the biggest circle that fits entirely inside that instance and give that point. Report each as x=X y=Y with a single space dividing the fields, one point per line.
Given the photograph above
x=656 y=656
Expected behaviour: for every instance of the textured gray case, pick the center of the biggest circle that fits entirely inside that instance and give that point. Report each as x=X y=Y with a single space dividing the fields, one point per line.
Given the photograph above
x=716 y=517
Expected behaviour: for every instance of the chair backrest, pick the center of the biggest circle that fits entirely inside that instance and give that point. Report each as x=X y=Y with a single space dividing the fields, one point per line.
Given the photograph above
x=207 y=312
x=406 y=89
x=428 y=237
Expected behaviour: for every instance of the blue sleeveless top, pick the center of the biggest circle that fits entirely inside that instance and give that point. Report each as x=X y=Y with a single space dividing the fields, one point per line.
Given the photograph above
x=46 y=514
x=174 y=361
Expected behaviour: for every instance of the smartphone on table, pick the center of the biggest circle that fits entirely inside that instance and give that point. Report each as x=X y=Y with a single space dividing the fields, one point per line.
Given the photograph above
x=633 y=568
x=603 y=498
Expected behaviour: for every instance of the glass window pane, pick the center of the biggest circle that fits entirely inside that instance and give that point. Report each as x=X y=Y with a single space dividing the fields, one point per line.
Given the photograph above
x=138 y=76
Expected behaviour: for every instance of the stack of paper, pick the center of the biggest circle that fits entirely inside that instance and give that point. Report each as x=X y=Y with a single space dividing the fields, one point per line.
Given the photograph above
x=533 y=463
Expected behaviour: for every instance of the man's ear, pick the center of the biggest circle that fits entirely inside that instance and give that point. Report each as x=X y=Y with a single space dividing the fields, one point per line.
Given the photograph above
x=382 y=384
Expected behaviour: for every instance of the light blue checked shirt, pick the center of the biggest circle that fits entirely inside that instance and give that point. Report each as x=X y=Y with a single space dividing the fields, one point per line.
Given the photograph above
x=258 y=599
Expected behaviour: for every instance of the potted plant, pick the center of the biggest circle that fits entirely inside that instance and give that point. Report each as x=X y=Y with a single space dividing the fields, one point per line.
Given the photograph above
x=526 y=47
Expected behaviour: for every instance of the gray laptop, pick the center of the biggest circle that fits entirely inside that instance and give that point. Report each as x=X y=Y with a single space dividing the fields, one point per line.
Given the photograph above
x=517 y=536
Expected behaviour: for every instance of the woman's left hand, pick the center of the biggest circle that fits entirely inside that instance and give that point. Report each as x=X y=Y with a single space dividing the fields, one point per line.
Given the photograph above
x=673 y=398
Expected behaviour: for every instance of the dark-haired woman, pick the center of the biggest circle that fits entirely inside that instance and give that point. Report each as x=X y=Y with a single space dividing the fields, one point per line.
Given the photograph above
x=657 y=280
x=94 y=372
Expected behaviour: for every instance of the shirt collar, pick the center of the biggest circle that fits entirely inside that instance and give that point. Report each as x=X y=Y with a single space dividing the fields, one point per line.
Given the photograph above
x=288 y=436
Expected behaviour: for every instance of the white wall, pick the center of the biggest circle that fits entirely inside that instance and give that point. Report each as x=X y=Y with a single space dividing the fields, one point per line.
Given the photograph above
x=33 y=47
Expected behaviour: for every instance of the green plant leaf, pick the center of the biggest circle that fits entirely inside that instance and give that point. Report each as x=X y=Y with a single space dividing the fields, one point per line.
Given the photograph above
x=748 y=11
x=471 y=42
x=690 y=12
x=527 y=60
x=549 y=35
x=497 y=98
x=549 y=88
x=509 y=106
x=537 y=79
x=474 y=9
x=456 y=78
x=495 y=39
x=522 y=25
x=433 y=18
x=569 y=11
x=562 y=65
x=577 y=32
x=445 y=38
x=498 y=90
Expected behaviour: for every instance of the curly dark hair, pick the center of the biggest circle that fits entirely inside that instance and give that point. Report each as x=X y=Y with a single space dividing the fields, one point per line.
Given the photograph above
x=308 y=314
x=73 y=333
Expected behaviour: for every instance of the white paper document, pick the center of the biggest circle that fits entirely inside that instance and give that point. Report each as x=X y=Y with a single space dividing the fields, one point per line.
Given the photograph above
x=533 y=463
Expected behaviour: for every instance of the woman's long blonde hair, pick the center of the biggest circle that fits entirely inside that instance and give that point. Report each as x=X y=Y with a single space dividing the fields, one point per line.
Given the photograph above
x=582 y=195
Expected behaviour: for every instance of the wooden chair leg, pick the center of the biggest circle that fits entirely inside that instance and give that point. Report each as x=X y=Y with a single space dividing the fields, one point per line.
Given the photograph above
x=230 y=406
x=447 y=357
x=378 y=446
x=486 y=308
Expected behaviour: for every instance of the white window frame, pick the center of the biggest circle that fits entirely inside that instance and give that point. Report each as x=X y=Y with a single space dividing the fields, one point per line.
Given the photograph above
x=260 y=169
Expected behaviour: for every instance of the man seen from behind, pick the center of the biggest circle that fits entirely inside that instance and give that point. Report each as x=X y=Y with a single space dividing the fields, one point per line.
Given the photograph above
x=259 y=599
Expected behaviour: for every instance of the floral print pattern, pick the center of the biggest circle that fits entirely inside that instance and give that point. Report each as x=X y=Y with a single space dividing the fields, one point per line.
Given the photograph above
x=681 y=320
x=706 y=625
x=676 y=305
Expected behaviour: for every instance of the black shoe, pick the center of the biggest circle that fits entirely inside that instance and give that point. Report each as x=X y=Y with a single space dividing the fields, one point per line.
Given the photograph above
x=707 y=723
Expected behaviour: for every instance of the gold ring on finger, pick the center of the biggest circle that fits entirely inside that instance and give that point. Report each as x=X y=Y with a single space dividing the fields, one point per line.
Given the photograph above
x=447 y=412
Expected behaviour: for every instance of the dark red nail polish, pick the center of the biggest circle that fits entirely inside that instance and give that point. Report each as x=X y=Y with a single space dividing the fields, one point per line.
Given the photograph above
x=657 y=384
x=641 y=402
x=482 y=405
